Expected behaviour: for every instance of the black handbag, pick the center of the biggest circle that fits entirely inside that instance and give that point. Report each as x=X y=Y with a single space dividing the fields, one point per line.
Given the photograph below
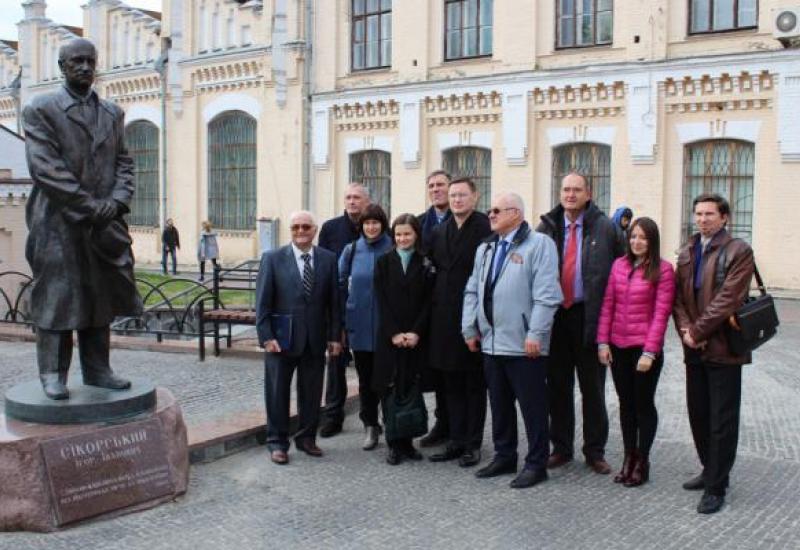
x=404 y=414
x=755 y=322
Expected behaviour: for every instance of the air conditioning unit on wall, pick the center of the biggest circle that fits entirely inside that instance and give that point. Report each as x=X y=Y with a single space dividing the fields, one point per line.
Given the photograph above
x=787 y=26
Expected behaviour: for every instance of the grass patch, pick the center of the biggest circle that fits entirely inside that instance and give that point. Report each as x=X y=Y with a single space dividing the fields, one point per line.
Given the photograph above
x=181 y=291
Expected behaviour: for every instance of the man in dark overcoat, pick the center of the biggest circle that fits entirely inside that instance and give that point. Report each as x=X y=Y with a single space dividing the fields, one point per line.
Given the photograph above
x=335 y=234
x=78 y=245
x=453 y=247
x=437 y=184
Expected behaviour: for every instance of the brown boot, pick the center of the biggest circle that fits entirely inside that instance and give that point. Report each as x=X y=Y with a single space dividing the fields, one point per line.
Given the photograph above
x=627 y=466
x=641 y=471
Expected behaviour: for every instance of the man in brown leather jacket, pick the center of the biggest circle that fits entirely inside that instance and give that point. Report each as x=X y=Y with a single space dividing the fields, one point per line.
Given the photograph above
x=713 y=374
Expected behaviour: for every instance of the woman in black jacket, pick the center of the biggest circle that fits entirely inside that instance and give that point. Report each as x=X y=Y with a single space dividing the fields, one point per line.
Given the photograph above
x=403 y=285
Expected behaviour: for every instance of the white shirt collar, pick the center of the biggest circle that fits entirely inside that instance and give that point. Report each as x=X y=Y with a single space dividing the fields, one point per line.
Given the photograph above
x=299 y=253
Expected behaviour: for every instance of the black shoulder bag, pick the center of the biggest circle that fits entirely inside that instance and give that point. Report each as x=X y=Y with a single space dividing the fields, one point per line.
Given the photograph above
x=754 y=322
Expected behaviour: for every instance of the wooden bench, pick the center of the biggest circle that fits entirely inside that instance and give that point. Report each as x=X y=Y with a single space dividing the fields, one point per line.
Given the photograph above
x=242 y=277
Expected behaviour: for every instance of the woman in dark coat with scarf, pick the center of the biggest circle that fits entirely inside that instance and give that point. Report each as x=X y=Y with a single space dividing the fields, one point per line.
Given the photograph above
x=403 y=286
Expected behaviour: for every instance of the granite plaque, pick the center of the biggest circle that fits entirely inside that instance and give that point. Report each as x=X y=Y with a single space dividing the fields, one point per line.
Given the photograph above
x=106 y=469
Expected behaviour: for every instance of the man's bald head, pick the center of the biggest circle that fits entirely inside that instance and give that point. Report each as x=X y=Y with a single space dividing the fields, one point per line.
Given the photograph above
x=77 y=60
x=77 y=45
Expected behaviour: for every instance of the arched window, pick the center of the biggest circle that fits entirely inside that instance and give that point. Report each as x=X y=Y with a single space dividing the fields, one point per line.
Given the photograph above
x=141 y=139
x=592 y=160
x=474 y=163
x=373 y=169
x=232 y=171
x=722 y=166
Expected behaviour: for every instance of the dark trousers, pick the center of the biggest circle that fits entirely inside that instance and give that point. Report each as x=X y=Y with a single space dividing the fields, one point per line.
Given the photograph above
x=164 y=251
x=569 y=355
x=367 y=397
x=278 y=372
x=636 y=390
x=523 y=380
x=54 y=351
x=713 y=396
x=336 y=388
x=202 y=266
x=465 y=392
x=435 y=382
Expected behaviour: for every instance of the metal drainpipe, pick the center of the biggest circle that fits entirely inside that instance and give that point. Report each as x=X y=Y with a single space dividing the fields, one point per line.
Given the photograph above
x=161 y=68
x=307 y=90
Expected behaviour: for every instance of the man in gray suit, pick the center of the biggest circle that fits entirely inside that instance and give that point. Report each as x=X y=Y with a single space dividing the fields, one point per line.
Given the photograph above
x=297 y=318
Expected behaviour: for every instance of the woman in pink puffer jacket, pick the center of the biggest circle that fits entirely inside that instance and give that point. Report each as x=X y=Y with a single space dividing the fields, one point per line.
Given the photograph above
x=630 y=337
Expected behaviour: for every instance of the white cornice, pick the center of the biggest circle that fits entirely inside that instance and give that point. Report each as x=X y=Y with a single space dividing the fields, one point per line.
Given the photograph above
x=774 y=61
x=233 y=54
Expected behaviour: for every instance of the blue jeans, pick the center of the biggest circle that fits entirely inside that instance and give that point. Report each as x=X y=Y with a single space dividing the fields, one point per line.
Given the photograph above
x=164 y=251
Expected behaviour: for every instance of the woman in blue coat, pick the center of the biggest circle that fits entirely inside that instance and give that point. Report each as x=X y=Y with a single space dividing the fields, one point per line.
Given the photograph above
x=356 y=275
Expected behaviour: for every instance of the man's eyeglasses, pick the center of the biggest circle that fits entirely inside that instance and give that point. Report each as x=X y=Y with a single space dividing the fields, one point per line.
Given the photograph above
x=496 y=211
x=301 y=226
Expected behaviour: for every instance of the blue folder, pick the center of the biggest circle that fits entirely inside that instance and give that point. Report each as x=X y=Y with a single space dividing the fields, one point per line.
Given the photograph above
x=281 y=324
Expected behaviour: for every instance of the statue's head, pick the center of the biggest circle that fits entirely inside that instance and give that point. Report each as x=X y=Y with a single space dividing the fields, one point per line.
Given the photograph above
x=77 y=60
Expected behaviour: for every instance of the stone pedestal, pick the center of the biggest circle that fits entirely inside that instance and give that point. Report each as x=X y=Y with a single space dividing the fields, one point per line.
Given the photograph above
x=57 y=475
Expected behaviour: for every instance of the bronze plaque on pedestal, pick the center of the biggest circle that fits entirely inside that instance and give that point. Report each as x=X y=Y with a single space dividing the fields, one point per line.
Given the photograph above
x=106 y=469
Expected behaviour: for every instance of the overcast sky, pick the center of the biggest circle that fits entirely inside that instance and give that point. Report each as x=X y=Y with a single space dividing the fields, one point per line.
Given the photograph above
x=66 y=12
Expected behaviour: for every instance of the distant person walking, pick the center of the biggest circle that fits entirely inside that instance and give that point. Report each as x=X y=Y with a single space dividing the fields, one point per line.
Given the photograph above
x=630 y=338
x=170 y=242
x=207 y=248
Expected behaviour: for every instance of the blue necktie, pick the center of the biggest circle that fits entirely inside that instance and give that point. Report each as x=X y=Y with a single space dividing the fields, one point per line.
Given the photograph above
x=501 y=256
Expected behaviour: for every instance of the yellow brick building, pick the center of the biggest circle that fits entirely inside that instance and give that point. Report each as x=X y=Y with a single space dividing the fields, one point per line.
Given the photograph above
x=271 y=106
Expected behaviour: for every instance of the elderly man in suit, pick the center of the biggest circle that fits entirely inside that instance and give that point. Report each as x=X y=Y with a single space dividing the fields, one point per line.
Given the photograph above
x=509 y=304
x=297 y=318
x=78 y=244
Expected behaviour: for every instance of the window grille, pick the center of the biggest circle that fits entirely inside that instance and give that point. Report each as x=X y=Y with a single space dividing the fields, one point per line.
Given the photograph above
x=232 y=171
x=141 y=140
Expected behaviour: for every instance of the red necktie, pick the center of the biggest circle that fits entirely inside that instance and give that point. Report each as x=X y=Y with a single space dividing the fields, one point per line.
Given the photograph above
x=569 y=266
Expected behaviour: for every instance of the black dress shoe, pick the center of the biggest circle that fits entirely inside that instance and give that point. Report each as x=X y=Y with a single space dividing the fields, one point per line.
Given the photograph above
x=695 y=484
x=528 y=478
x=710 y=504
x=470 y=458
x=411 y=453
x=330 y=429
x=437 y=436
x=450 y=453
x=497 y=468
x=393 y=457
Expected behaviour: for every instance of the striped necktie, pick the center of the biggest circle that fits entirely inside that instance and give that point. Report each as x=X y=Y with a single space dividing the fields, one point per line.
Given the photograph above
x=308 y=274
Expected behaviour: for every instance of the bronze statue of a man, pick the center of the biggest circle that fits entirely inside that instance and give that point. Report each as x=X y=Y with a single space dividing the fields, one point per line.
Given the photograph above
x=79 y=248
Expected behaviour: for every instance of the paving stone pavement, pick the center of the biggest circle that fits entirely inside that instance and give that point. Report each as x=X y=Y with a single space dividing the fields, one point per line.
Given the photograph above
x=352 y=499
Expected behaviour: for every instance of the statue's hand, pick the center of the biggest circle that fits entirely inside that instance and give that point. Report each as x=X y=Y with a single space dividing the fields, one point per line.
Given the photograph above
x=105 y=211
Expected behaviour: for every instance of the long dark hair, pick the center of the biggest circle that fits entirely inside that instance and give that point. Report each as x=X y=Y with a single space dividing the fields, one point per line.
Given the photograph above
x=652 y=260
x=408 y=219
